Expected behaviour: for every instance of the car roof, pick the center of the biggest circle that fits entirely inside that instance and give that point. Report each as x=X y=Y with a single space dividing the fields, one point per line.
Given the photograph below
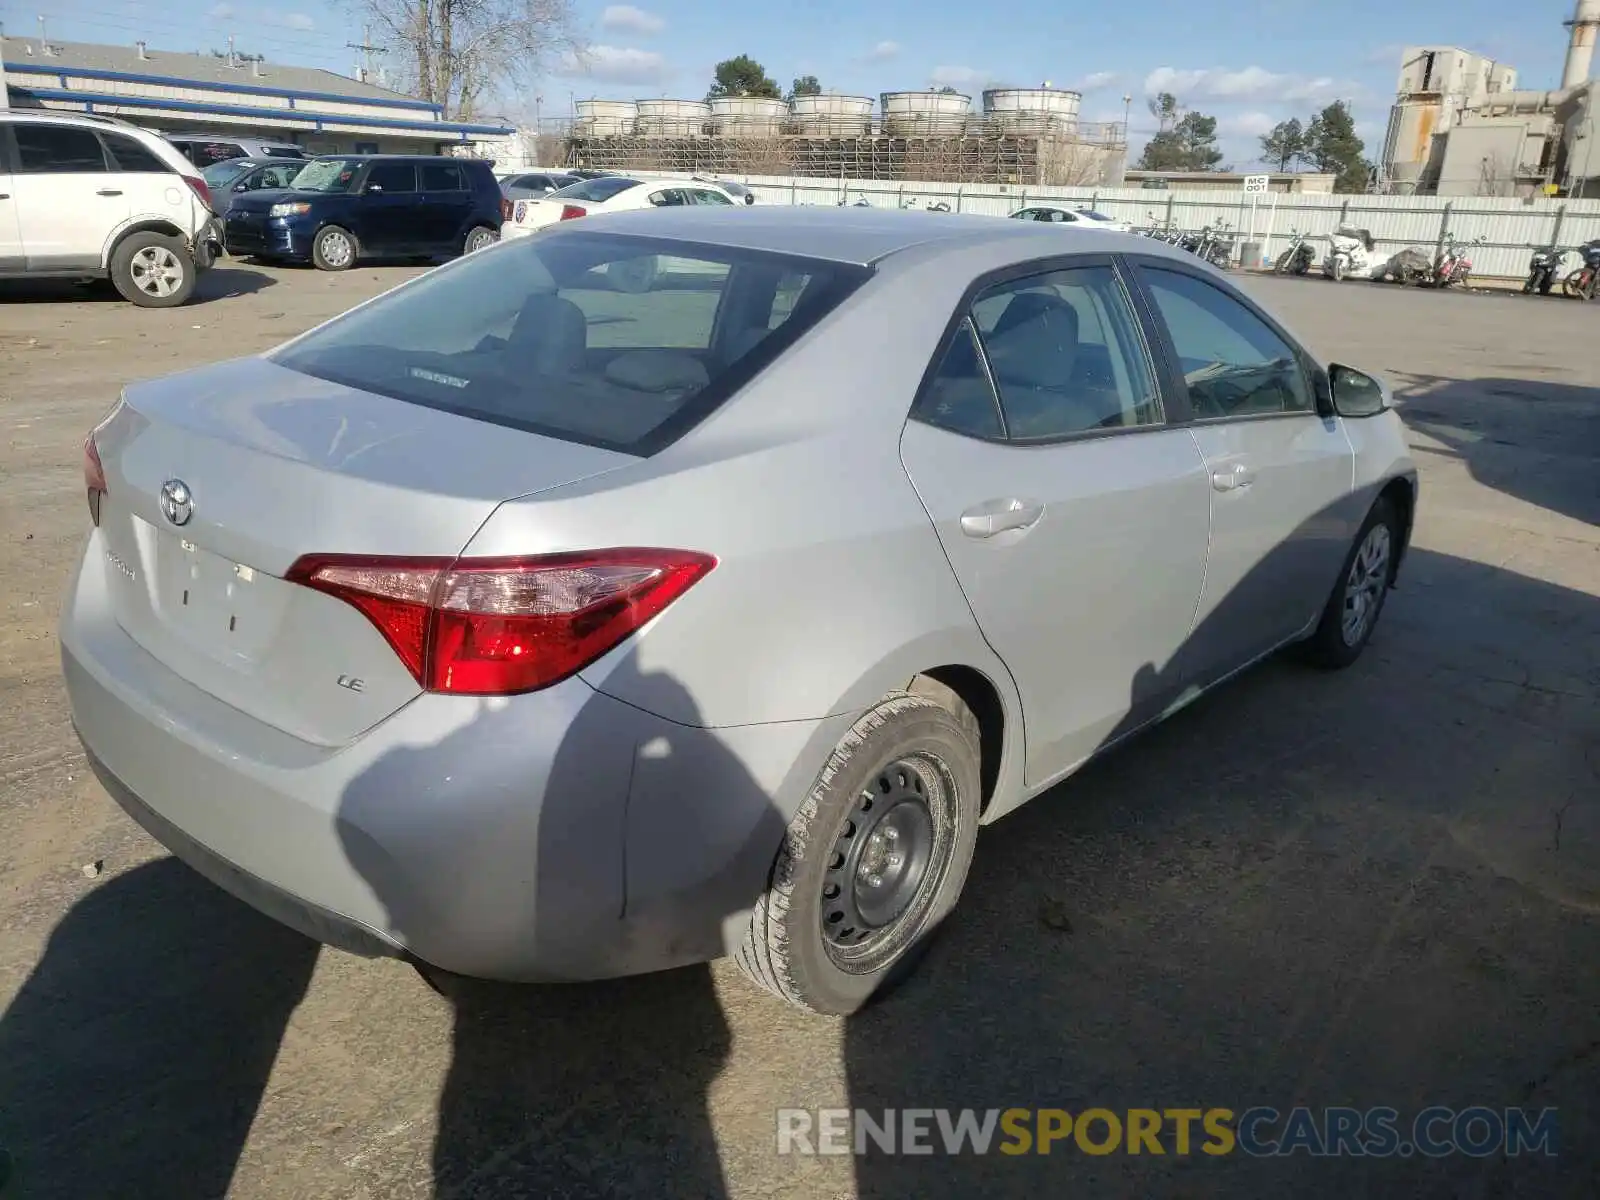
x=860 y=236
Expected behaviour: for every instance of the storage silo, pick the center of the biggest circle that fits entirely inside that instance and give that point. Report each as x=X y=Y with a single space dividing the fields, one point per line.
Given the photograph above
x=672 y=118
x=907 y=114
x=832 y=116
x=1037 y=111
x=748 y=116
x=604 y=118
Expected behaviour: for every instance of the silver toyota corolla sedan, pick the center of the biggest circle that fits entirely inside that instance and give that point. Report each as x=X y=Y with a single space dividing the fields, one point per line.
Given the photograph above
x=670 y=586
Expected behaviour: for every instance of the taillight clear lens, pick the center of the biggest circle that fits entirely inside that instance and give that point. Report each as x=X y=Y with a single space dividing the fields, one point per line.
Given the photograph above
x=569 y=211
x=94 y=477
x=499 y=626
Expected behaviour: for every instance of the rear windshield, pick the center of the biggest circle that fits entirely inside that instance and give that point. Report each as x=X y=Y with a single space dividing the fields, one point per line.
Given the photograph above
x=220 y=175
x=594 y=190
x=614 y=341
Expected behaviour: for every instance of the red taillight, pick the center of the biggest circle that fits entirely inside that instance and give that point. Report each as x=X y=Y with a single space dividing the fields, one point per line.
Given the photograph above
x=486 y=627
x=200 y=188
x=569 y=211
x=505 y=209
x=94 y=477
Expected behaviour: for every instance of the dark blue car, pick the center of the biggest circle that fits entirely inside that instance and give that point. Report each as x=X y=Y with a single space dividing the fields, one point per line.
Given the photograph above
x=341 y=209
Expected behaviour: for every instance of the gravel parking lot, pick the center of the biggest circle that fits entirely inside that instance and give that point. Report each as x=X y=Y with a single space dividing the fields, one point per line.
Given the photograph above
x=1375 y=888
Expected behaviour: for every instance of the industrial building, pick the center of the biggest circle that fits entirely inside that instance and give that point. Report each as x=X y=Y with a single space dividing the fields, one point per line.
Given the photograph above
x=1021 y=135
x=321 y=111
x=1461 y=127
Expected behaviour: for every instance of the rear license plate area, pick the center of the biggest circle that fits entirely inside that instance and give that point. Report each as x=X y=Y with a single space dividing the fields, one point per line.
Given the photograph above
x=227 y=608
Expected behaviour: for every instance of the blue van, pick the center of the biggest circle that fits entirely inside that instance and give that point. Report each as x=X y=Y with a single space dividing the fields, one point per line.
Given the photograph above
x=340 y=209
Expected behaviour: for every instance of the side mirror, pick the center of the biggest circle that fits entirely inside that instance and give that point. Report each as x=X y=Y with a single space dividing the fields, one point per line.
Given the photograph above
x=241 y=187
x=1357 y=394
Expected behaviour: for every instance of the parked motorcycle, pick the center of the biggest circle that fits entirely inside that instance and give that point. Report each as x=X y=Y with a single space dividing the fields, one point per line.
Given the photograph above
x=1352 y=255
x=1582 y=281
x=1454 y=267
x=1543 y=268
x=1298 y=257
x=1410 y=267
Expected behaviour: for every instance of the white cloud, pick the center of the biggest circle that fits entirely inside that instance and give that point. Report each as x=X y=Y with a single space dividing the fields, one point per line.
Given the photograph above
x=958 y=76
x=1246 y=124
x=627 y=18
x=617 y=64
x=883 y=52
x=1250 y=83
x=299 y=21
x=1096 y=81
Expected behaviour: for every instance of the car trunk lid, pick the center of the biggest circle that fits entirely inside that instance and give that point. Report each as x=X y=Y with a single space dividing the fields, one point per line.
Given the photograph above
x=275 y=465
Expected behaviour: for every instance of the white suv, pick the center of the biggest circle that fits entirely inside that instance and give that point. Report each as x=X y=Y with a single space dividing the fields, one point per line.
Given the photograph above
x=93 y=197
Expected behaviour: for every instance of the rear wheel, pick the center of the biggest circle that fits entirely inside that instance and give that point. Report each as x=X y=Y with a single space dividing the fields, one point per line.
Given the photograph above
x=334 y=249
x=1357 y=599
x=153 y=270
x=1338 y=270
x=875 y=858
x=478 y=238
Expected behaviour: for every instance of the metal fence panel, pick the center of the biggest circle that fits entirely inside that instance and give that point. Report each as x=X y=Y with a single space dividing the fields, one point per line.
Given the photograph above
x=1511 y=228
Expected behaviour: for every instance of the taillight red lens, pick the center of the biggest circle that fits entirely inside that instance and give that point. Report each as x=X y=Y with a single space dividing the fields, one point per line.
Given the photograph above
x=505 y=209
x=200 y=188
x=569 y=211
x=487 y=627
x=94 y=477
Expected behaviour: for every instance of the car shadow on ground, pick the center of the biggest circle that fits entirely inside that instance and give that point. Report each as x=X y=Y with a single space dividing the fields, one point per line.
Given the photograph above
x=1533 y=439
x=220 y=282
x=1370 y=888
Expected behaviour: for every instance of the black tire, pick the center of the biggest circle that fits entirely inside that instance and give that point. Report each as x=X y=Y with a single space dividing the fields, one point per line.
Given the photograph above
x=328 y=252
x=1285 y=260
x=153 y=270
x=916 y=748
x=482 y=235
x=1331 y=647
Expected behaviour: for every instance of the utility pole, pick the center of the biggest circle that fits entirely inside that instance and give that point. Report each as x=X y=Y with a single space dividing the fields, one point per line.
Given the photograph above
x=364 y=70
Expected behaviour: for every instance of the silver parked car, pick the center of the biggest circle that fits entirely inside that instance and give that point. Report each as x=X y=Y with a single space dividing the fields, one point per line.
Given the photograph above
x=666 y=586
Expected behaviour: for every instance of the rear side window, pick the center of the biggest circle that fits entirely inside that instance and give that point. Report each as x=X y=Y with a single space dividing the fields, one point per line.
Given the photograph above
x=442 y=177
x=57 y=149
x=1066 y=354
x=613 y=341
x=129 y=155
x=958 y=397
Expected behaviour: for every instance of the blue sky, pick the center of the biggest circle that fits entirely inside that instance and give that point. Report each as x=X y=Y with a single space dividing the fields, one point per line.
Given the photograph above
x=1250 y=63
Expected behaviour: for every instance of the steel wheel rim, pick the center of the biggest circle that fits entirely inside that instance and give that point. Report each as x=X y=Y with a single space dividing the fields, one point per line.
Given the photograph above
x=478 y=239
x=336 y=249
x=156 y=271
x=1363 y=587
x=887 y=863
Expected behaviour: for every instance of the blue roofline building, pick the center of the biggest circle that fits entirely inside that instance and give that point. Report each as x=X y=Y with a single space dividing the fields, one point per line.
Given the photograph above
x=324 y=112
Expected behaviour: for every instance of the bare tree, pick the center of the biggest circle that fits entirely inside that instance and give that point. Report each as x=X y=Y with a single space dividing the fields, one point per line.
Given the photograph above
x=458 y=53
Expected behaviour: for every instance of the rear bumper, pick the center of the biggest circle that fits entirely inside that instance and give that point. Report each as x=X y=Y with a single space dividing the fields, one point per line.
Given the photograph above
x=558 y=835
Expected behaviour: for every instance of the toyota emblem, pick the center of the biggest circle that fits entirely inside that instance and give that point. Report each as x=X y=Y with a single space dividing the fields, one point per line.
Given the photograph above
x=177 y=505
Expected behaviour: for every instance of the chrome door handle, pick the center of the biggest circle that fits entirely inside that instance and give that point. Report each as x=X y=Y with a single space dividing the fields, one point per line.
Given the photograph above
x=1000 y=516
x=1233 y=478
x=108 y=192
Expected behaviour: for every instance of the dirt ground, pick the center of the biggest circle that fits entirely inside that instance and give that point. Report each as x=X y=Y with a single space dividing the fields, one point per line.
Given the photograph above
x=1378 y=888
